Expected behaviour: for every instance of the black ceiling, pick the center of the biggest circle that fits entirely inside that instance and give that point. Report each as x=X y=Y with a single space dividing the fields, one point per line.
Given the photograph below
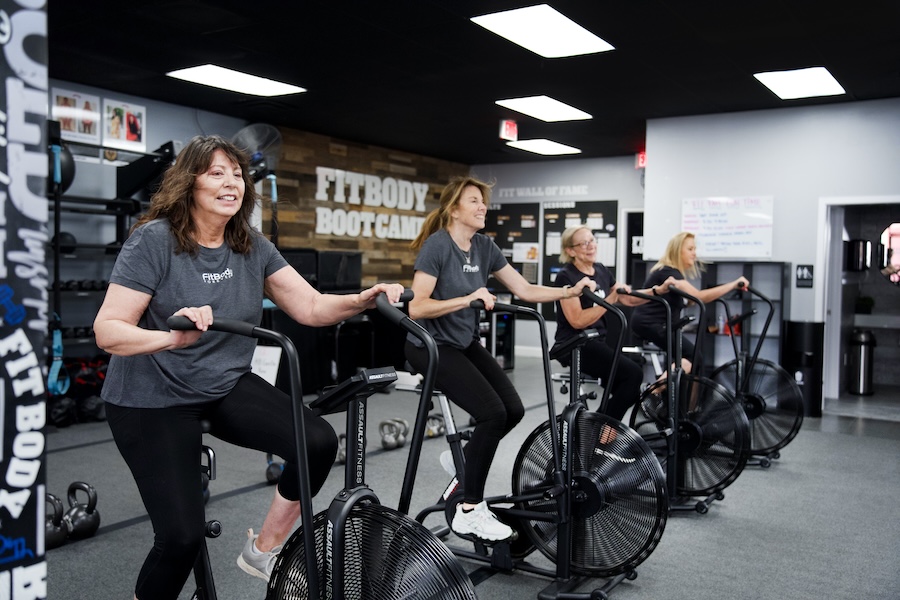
x=419 y=76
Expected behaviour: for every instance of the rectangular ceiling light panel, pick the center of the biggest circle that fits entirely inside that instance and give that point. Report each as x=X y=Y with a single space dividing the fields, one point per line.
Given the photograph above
x=801 y=83
x=235 y=81
x=544 y=108
x=543 y=146
x=544 y=31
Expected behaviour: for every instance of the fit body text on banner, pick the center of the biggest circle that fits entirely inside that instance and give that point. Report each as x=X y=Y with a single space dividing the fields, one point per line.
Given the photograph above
x=23 y=298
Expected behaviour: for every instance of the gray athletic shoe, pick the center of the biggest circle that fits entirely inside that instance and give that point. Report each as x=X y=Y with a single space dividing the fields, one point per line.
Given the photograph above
x=256 y=563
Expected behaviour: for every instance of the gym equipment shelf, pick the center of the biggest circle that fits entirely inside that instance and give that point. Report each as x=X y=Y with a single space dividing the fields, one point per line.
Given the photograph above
x=771 y=278
x=70 y=259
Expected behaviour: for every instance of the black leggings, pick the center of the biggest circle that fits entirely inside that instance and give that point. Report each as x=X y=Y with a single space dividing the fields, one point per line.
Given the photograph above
x=656 y=333
x=473 y=380
x=162 y=448
x=596 y=361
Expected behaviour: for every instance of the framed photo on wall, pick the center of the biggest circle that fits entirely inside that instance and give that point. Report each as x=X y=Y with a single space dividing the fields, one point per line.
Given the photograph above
x=124 y=126
x=78 y=115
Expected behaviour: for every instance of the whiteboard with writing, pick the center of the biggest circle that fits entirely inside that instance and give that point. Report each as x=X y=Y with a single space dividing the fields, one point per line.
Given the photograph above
x=730 y=227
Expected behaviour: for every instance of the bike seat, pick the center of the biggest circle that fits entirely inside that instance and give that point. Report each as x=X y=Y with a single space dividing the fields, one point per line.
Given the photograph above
x=561 y=350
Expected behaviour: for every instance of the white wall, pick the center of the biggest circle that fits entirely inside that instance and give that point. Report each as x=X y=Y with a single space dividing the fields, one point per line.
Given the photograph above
x=796 y=155
x=601 y=179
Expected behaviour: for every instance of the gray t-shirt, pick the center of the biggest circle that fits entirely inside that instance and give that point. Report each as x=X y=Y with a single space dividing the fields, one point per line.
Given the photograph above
x=230 y=282
x=457 y=276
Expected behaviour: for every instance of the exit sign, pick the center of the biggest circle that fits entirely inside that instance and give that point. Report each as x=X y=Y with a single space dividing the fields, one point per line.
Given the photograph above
x=509 y=131
x=640 y=160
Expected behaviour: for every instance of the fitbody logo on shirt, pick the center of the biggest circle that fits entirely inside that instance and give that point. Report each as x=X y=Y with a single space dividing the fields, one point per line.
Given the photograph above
x=218 y=277
x=471 y=269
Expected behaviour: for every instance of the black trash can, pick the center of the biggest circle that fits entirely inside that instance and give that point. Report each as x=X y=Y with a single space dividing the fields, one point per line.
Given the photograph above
x=801 y=352
x=862 y=349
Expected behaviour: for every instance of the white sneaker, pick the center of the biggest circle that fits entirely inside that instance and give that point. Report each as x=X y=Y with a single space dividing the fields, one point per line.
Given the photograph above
x=256 y=563
x=447 y=463
x=481 y=523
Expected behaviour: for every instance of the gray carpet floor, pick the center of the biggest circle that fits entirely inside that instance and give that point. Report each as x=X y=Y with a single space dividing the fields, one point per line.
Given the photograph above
x=822 y=522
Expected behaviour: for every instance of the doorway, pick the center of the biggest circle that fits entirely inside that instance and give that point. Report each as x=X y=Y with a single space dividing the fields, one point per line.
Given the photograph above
x=859 y=219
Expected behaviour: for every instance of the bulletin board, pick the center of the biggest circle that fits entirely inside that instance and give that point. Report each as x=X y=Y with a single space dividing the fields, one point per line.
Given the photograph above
x=514 y=228
x=600 y=215
x=730 y=227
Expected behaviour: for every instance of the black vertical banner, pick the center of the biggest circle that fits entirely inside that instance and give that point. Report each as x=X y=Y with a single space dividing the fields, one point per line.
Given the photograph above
x=23 y=297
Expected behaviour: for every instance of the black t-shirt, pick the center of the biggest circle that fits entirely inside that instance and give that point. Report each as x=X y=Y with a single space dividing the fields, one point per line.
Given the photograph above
x=654 y=313
x=570 y=275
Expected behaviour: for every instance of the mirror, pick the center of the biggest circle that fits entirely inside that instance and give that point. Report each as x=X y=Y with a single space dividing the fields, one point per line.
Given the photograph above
x=890 y=253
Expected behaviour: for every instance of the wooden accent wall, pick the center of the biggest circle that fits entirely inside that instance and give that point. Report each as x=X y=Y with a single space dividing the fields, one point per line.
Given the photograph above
x=382 y=260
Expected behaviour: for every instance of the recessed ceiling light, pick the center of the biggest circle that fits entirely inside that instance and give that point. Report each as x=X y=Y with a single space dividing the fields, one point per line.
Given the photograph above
x=543 y=146
x=544 y=31
x=235 y=81
x=544 y=108
x=801 y=83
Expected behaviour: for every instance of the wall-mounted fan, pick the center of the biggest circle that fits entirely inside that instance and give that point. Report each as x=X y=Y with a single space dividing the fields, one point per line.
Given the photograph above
x=263 y=143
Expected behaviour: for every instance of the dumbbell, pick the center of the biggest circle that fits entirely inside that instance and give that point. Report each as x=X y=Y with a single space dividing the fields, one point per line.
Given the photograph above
x=82 y=520
x=56 y=531
x=90 y=285
x=274 y=469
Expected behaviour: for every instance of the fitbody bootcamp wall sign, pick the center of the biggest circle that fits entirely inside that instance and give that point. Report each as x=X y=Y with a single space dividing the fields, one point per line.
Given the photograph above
x=359 y=192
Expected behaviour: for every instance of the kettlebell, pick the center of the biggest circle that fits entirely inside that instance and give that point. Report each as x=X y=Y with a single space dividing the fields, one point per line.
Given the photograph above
x=274 y=469
x=82 y=520
x=389 y=430
x=56 y=531
x=435 y=426
x=402 y=431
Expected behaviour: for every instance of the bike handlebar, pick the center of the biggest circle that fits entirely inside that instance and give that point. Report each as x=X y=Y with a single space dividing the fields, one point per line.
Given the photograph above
x=501 y=306
x=182 y=323
x=635 y=293
x=681 y=293
x=391 y=312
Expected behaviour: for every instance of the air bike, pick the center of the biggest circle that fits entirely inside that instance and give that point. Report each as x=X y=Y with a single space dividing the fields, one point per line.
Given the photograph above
x=695 y=426
x=357 y=549
x=596 y=510
x=768 y=393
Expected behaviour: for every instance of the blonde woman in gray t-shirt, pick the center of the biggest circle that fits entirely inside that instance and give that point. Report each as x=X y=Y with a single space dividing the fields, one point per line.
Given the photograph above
x=451 y=271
